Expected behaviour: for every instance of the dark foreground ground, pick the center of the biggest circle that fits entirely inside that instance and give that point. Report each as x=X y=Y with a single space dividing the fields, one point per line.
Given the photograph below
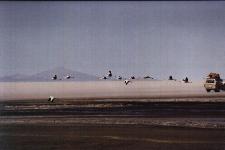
x=67 y=124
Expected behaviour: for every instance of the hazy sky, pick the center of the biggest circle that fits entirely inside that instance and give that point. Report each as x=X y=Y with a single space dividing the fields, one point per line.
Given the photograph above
x=130 y=38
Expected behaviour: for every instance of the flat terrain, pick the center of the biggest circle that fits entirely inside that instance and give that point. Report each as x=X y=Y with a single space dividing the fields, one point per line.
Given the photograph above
x=111 y=115
x=122 y=137
x=146 y=89
x=109 y=124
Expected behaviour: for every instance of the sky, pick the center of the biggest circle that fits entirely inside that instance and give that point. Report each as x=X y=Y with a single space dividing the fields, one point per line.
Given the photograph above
x=130 y=38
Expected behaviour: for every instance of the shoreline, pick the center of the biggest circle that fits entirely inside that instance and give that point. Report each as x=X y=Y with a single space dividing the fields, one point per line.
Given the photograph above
x=72 y=113
x=198 y=123
x=209 y=99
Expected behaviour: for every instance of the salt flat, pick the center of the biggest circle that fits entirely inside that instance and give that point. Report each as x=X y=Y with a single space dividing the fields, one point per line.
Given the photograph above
x=105 y=90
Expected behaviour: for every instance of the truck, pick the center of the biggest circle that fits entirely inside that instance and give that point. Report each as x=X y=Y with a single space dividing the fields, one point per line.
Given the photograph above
x=213 y=82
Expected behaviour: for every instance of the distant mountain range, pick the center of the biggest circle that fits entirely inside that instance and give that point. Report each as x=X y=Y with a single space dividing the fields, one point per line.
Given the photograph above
x=61 y=73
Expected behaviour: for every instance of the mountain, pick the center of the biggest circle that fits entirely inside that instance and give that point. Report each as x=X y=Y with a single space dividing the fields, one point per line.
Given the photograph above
x=61 y=73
